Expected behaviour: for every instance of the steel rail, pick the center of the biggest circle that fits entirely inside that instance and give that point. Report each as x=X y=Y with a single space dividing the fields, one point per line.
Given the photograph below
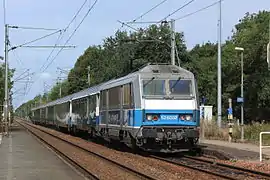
x=70 y=160
x=213 y=164
x=133 y=171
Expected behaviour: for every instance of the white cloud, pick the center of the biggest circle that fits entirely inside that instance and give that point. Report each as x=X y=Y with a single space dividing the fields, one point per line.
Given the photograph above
x=45 y=75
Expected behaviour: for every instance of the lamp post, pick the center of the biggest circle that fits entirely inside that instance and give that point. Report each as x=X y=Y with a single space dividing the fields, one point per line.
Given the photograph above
x=6 y=108
x=242 y=91
x=219 y=83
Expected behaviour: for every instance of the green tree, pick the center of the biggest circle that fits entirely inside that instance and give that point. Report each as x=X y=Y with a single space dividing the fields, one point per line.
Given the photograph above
x=252 y=34
x=2 y=81
x=126 y=51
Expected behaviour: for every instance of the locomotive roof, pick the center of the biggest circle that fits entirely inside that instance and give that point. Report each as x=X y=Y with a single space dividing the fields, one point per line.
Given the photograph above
x=147 y=70
x=168 y=69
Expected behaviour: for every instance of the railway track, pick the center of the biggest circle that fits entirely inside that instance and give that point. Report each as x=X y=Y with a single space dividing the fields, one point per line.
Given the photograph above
x=53 y=142
x=220 y=170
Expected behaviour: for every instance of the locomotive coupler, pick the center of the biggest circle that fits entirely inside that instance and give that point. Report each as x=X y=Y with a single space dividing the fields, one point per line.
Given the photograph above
x=169 y=139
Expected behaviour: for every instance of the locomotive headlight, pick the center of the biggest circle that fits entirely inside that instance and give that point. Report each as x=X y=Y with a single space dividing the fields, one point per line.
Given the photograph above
x=149 y=117
x=183 y=117
x=155 y=118
x=188 y=117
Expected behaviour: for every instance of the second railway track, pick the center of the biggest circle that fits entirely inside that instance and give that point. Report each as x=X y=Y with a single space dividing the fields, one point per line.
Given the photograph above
x=89 y=162
x=220 y=170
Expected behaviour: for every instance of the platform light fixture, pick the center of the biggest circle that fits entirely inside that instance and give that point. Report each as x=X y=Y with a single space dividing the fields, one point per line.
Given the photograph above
x=242 y=90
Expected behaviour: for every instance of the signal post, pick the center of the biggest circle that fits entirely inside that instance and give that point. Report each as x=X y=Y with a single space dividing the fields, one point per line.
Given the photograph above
x=230 y=118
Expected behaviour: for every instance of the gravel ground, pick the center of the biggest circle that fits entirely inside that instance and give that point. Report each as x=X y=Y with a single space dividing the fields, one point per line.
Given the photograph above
x=233 y=153
x=257 y=166
x=152 y=167
x=241 y=158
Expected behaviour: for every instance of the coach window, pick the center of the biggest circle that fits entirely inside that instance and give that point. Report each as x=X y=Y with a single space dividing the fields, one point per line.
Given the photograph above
x=92 y=103
x=103 y=100
x=75 y=105
x=81 y=107
x=50 y=113
x=114 y=97
x=127 y=96
x=84 y=107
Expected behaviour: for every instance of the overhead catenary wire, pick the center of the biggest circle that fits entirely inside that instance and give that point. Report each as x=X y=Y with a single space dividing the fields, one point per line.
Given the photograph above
x=22 y=74
x=199 y=10
x=77 y=13
x=32 y=41
x=156 y=6
x=17 y=90
x=155 y=39
x=16 y=56
x=93 y=5
x=26 y=76
x=63 y=70
x=22 y=45
x=31 y=28
x=158 y=40
x=46 y=46
x=186 y=4
x=61 y=35
x=56 y=43
x=123 y=23
x=179 y=18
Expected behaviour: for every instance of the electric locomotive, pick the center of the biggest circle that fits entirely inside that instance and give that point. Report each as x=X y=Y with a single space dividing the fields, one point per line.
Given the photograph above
x=155 y=109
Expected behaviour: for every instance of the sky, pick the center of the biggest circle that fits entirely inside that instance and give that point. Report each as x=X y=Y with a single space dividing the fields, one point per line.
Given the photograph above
x=99 y=24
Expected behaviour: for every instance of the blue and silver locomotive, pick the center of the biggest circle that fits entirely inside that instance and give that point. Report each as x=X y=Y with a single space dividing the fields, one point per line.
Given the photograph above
x=154 y=109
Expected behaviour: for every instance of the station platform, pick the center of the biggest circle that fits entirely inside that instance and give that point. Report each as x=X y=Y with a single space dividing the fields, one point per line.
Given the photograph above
x=23 y=157
x=238 y=150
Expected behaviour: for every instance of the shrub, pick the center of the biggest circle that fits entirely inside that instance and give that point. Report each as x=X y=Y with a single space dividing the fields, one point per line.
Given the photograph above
x=251 y=132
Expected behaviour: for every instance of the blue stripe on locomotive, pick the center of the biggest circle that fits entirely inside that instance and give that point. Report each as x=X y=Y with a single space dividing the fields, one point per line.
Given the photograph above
x=137 y=118
x=140 y=118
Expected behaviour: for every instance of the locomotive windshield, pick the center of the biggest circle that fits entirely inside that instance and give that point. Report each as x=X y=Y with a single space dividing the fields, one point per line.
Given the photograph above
x=180 y=87
x=158 y=87
x=154 y=87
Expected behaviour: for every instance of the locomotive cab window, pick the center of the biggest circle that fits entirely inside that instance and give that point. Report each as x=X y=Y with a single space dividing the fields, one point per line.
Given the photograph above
x=180 y=87
x=169 y=87
x=154 y=87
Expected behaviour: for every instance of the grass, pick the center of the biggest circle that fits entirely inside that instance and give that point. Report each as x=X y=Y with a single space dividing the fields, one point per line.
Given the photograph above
x=252 y=131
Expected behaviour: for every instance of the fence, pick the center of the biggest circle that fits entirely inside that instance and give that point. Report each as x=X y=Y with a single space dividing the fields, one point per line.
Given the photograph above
x=261 y=144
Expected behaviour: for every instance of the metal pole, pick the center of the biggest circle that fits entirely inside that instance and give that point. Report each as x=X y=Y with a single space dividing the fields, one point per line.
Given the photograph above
x=88 y=67
x=6 y=79
x=60 y=90
x=230 y=119
x=219 y=104
x=242 y=95
x=173 y=42
x=203 y=121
